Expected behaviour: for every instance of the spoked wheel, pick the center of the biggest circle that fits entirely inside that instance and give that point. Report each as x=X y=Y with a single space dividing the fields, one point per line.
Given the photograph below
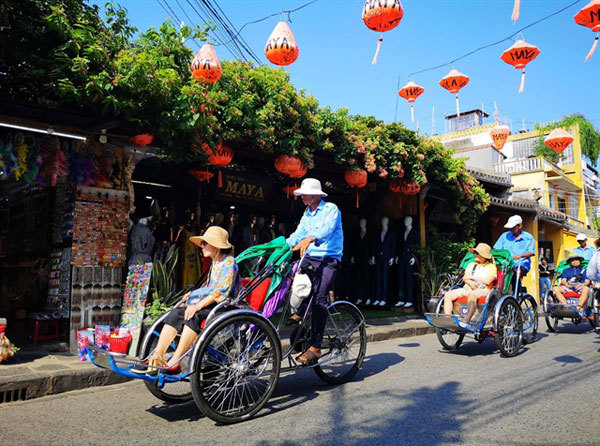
x=236 y=368
x=176 y=392
x=344 y=344
x=449 y=339
x=508 y=332
x=551 y=322
x=530 y=318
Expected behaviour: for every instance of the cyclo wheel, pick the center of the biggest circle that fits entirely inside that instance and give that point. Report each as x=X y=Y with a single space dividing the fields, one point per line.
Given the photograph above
x=551 y=322
x=449 y=340
x=508 y=330
x=345 y=339
x=236 y=368
x=176 y=392
x=530 y=318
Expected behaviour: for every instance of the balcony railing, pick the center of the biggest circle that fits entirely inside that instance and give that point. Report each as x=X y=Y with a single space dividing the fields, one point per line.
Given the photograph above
x=526 y=165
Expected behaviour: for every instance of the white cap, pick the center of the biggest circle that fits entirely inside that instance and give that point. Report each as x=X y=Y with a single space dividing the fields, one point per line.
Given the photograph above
x=310 y=186
x=513 y=221
x=581 y=236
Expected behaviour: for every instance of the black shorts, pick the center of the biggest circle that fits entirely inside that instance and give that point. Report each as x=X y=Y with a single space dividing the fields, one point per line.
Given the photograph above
x=176 y=318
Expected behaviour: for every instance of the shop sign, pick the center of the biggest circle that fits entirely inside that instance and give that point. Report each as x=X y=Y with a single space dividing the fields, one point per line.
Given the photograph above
x=244 y=188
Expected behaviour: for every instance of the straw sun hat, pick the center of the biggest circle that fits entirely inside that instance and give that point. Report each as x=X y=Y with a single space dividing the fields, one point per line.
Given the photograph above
x=214 y=236
x=484 y=250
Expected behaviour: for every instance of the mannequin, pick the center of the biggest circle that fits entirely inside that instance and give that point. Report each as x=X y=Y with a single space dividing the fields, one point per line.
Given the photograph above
x=384 y=253
x=406 y=263
x=142 y=242
x=361 y=251
x=190 y=259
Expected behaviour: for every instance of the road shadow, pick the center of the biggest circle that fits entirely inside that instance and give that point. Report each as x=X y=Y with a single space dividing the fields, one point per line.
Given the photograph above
x=410 y=344
x=567 y=359
x=177 y=412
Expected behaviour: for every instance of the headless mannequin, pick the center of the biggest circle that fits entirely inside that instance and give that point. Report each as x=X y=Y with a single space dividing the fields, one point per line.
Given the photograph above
x=361 y=253
x=142 y=242
x=406 y=262
x=385 y=249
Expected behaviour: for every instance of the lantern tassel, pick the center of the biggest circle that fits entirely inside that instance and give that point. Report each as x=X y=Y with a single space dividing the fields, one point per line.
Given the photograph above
x=377 y=51
x=589 y=55
x=522 y=87
x=412 y=113
x=357 y=202
x=220 y=179
x=287 y=189
x=457 y=107
x=515 y=13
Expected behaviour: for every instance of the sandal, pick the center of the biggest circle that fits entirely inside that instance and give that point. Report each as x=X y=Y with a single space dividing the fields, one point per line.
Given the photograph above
x=293 y=321
x=310 y=357
x=154 y=364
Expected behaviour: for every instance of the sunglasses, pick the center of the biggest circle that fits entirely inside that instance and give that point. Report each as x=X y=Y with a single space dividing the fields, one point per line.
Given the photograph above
x=203 y=244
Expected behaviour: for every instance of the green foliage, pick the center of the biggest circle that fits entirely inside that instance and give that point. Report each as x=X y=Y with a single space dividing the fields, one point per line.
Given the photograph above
x=596 y=224
x=589 y=138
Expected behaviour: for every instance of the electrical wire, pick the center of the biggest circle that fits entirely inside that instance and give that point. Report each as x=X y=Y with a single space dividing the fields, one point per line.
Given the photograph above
x=497 y=42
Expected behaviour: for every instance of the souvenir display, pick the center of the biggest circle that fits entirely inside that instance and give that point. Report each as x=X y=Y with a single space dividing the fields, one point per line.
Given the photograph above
x=59 y=282
x=134 y=301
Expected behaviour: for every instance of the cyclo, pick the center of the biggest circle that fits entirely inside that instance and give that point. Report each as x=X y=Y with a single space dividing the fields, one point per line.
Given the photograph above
x=511 y=319
x=233 y=368
x=555 y=311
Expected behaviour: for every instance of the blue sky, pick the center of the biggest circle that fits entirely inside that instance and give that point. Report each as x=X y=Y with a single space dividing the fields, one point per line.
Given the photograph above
x=336 y=49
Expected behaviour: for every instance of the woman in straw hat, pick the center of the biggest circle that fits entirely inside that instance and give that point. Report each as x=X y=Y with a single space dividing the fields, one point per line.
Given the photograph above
x=223 y=282
x=478 y=279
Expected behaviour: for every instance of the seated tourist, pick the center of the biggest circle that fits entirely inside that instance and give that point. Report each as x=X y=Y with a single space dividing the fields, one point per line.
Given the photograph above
x=223 y=282
x=573 y=279
x=478 y=278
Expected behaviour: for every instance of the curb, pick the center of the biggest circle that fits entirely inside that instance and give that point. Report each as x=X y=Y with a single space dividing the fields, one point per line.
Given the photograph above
x=400 y=333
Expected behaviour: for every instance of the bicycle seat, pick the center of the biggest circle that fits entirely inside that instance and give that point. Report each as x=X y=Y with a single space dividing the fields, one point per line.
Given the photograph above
x=572 y=294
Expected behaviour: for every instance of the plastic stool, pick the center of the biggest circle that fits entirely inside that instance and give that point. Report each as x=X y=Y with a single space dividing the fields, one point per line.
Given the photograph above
x=50 y=327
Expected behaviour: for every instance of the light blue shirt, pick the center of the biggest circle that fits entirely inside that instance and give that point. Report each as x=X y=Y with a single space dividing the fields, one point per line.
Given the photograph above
x=586 y=253
x=522 y=245
x=325 y=225
x=593 y=268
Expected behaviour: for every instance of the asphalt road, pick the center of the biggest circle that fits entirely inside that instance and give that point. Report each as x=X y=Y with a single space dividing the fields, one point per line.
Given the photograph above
x=408 y=392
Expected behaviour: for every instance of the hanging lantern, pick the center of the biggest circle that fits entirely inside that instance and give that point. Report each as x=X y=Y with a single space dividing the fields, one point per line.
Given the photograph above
x=395 y=185
x=381 y=16
x=288 y=163
x=219 y=157
x=409 y=187
x=206 y=65
x=281 y=48
x=298 y=173
x=356 y=179
x=519 y=55
x=589 y=16
x=558 y=140
x=142 y=140
x=499 y=134
x=411 y=92
x=201 y=175
x=515 y=14
x=453 y=82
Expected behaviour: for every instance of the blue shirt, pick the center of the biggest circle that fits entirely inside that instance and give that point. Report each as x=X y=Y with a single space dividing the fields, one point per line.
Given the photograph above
x=593 y=268
x=578 y=274
x=522 y=245
x=325 y=225
x=586 y=253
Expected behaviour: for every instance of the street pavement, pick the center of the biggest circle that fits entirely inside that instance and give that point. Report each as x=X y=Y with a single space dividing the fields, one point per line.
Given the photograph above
x=408 y=391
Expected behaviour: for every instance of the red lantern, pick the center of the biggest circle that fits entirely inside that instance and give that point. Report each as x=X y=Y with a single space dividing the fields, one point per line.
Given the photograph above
x=201 y=175
x=298 y=173
x=281 y=48
x=589 y=16
x=356 y=179
x=206 y=65
x=558 y=140
x=395 y=185
x=453 y=82
x=411 y=92
x=142 y=140
x=288 y=163
x=519 y=55
x=499 y=134
x=382 y=16
x=220 y=157
x=409 y=187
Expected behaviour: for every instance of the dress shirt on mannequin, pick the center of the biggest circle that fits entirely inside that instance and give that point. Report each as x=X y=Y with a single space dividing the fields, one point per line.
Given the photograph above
x=385 y=250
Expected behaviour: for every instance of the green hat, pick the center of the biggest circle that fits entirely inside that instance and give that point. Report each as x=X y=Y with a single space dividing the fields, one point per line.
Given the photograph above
x=574 y=256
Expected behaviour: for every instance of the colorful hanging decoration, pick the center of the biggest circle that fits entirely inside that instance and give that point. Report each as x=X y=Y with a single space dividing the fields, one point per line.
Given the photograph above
x=395 y=185
x=219 y=157
x=589 y=16
x=411 y=92
x=381 y=16
x=356 y=179
x=142 y=140
x=519 y=55
x=499 y=134
x=201 y=175
x=409 y=187
x=558 y=140
x=453 y=82
x=515 y=14
x=281 y=48
x=206 y=65
x=288 y=163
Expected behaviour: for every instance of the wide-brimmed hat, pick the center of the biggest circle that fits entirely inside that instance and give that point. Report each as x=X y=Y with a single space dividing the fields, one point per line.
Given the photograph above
x=513 y=221
x=310 y=186
x=574 y=256
x=214 y=236
x=484 y=250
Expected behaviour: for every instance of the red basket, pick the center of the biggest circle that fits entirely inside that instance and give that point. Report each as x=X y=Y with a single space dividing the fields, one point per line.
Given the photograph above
x=118 y=344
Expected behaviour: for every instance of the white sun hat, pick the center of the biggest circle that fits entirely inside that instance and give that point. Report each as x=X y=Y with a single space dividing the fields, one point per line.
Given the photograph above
x=513 y=221
x=310 y=186
x=581 y=236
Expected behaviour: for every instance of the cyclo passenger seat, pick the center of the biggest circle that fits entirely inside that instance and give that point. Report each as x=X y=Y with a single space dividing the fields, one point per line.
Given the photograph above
x=498 y=282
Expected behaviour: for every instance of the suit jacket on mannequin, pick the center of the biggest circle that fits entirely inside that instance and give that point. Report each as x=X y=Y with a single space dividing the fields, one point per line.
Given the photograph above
x=406 y=291
x=385 y=250
x=362 y=250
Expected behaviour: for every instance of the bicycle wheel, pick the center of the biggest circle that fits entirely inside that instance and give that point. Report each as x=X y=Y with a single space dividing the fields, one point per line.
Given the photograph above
x=551 y=322
x=176 y=392
x=448 y=339
x=530 y=318
x=508 y=331
x=236 y=368
x=344 y=344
